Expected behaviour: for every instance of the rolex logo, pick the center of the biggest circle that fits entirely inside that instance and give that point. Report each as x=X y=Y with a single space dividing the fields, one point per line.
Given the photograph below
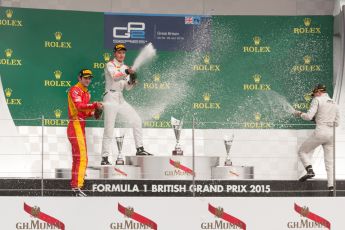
x=206 y=96
x=305 y=211
x=206 y=66
x=257 y=117
x=307 y=59
x=206 y=59
x=302 y=105
x=8 y=53
x=58 y=36
x=57 y=82
x=106 y=57
x=257 y=78
x=101 y=64
x=11 y=101
x=206 y=104
x=8 y=92
x=307 y=21
x=219 y=212
x=9 y=60
x=57 y=113
x=257 y=85
x=258 y=123
x=156 y=83
x=307 y=97
x=57 y=74
x=156 y=77
x=129 y=211
x=257 y=47
x=9 y=21
x=307 y=66
x=257 y=40
x=58 y=43
x=307 y=28
x=9 y=13
x=156 y=116
x=35 y=211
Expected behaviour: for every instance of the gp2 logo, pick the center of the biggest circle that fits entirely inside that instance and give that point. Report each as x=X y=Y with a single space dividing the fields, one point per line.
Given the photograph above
x=134 y=30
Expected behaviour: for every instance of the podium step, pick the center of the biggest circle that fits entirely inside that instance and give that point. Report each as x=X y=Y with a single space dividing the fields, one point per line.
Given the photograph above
x=232 y=172
x=174 y=167
x=126 y=172
x=66 y=173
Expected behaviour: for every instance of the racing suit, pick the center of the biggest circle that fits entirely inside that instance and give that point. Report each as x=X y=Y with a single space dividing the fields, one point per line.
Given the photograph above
x=78 y=110
x=326 y=114
x=116 y=80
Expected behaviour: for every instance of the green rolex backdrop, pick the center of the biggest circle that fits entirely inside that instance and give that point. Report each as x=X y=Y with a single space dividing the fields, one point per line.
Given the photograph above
x=240 y=71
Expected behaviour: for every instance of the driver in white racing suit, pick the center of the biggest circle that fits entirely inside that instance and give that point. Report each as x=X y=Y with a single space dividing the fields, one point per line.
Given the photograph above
x=325 y=112
x=118 y=77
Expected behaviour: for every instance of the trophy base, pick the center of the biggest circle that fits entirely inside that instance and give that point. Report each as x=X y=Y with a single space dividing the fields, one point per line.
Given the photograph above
x=119 y=162
x=177 y=153
x=228 y=163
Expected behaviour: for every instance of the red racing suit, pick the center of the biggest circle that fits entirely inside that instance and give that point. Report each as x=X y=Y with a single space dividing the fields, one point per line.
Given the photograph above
x=78 y=110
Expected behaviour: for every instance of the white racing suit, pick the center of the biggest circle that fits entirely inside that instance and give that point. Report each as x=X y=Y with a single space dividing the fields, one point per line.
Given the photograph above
x=326 y=114
x=116 y=80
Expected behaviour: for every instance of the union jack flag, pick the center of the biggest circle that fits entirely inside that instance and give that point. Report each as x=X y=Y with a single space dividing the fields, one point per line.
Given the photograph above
x=188 y=20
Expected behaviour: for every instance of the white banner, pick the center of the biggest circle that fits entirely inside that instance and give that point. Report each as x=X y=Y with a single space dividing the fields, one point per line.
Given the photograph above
x=172 y=213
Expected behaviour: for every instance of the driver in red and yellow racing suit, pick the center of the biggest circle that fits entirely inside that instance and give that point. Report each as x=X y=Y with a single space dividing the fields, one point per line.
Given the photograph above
x=78 y=110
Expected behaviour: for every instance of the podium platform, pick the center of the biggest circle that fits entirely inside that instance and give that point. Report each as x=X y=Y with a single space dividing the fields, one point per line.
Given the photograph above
x=166 y=168
x=174 y=167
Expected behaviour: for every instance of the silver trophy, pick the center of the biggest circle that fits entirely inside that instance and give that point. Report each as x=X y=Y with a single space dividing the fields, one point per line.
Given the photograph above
x=119 y=142
x=228 y=143
x=177 y=126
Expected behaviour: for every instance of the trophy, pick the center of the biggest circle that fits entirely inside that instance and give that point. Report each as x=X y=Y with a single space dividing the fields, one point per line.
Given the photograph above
x=177 y=126
x=119 y=142
x=228 y=143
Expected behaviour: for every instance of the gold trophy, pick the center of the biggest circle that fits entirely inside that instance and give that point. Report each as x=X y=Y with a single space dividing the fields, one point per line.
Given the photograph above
x=228 y=143
x=177 y=126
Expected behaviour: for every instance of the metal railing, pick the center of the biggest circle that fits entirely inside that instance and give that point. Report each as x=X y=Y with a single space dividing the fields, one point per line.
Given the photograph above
x=196 y=142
